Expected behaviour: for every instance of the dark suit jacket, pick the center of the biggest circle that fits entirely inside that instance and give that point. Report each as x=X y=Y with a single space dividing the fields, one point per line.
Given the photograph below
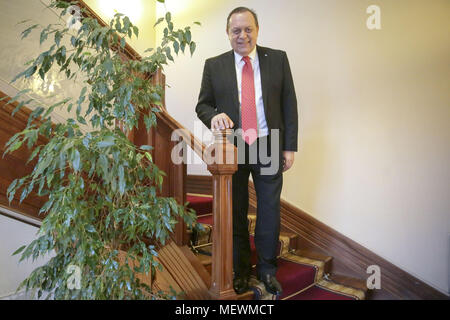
x=219 y=93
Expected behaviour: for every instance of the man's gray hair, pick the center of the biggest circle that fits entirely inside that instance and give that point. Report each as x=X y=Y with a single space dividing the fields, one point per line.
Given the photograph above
x=240 y=10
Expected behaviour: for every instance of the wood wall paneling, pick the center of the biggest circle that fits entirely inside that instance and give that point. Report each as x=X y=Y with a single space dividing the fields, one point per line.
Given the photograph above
x=13 y=166
x=199 y=184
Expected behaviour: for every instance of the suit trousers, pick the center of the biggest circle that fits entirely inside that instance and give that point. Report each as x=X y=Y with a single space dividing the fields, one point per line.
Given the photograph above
x=268 y=190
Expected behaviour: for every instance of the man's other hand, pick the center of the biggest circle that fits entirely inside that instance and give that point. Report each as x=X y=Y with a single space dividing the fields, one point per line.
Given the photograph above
x=221 y=121
x=288 y=160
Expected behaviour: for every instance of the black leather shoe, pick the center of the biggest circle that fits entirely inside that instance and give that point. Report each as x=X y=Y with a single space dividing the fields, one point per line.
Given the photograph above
x=240 y=284
x=271 y=283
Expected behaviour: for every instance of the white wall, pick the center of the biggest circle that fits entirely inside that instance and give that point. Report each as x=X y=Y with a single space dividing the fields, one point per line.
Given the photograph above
x=13 y=235
x=141 y=13
x=16 y=52
x=374 y=110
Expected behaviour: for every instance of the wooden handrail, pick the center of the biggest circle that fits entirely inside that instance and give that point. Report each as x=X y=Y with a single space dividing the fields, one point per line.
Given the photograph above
x=195 y=144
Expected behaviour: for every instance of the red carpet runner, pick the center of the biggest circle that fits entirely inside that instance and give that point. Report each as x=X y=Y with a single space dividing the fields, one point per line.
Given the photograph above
x=301 y=277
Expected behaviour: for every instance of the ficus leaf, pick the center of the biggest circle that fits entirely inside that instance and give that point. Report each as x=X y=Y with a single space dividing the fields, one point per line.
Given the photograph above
x=192 y=47
x=146 y=147
x=27 y=31
x=158 y=22
x=76 y=160
x=109 y=141
x=19 y=250
x=121 y=180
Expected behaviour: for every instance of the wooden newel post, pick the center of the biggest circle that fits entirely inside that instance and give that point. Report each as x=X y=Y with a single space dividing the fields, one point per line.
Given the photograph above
x=222 y=163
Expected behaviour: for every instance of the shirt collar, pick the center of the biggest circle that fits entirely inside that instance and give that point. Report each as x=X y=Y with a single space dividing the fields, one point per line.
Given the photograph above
x=252 y=55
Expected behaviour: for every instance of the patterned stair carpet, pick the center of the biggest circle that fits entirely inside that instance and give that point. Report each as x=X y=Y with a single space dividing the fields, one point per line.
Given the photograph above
x=201 y=203
x=302 y=278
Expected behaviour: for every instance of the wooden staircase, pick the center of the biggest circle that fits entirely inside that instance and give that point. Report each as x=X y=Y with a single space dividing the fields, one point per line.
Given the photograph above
x=303 y=273
x=192 y=274
x=197 y=276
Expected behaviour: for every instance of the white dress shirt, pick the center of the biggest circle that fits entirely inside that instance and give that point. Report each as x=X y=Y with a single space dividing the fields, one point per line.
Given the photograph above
x=262 y=124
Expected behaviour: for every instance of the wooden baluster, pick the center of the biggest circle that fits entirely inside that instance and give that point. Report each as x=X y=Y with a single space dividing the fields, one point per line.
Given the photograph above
x=222 y=163
x=177 y=180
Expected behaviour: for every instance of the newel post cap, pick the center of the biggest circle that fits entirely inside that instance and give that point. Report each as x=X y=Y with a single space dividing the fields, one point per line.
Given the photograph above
x=221 y=155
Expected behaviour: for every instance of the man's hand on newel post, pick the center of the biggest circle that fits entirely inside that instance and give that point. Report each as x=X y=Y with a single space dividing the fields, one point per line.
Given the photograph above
x=221 y=121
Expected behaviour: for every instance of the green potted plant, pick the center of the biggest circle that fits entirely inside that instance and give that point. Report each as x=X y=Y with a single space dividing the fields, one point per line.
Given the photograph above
x=102 y=189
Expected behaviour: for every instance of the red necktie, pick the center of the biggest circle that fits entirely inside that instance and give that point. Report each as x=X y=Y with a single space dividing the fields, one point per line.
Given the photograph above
x=248 y=104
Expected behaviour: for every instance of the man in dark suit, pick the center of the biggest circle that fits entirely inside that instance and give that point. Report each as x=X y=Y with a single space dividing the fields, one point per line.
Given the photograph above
x=251 y=88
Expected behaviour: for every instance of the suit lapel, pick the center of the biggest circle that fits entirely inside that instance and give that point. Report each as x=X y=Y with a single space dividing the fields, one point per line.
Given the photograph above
x=263 y=58
x=231 y=79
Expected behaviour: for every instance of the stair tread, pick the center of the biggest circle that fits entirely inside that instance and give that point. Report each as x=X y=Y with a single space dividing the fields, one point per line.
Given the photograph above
x=204 y=259
x=249 y=295
x=349 y=282
x=294 y=275
x=202 y=204
x=313 y=255
x=327 y=290
x=205 y=219
x=291 y=235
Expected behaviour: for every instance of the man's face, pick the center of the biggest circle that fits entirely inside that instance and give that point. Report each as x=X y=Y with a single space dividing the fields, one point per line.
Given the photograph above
x=242 y=32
